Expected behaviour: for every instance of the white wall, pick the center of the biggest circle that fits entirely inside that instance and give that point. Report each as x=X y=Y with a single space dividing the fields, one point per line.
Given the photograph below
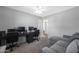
x=10 y=18
x=66 y=22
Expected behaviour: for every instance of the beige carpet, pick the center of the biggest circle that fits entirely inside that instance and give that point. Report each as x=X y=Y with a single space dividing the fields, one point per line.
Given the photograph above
x=35 y=47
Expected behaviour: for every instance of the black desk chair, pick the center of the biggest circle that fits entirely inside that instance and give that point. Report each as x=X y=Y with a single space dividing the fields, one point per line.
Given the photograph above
x=21 y=30
x=11 y=30
x=36 y=34
x=2 y=38
x=29 y=37
x=11 y=39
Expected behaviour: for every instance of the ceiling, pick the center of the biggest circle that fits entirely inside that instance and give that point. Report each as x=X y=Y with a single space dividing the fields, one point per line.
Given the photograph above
x=49 y=10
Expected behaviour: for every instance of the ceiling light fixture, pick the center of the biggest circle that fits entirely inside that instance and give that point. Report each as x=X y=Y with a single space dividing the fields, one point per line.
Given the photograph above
x=39 y=9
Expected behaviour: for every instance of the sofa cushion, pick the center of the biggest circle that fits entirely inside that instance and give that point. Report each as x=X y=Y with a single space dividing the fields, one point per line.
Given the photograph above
x=62 y=43
x=72 y=47
x=54 y=39
x=68 y=40
x=58 y=48
x=66 y=36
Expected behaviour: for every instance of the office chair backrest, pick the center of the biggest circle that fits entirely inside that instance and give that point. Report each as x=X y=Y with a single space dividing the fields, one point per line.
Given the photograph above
x=12 y=37
x=35 y=29
x=2 y=33
x=29 y=37
x=37 y=32
x=11 y=30
x=20 y=29
x=2 y=38
x=31 y=28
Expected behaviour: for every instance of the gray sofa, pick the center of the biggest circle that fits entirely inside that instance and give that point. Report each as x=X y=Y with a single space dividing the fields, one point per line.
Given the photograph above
x=61 y=44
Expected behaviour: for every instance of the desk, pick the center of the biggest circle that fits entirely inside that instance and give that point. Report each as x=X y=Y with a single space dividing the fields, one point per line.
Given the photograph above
x=21 y=39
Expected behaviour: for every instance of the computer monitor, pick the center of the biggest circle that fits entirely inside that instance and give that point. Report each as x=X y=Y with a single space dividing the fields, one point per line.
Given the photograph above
x=11 y=30
x=21 y=29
